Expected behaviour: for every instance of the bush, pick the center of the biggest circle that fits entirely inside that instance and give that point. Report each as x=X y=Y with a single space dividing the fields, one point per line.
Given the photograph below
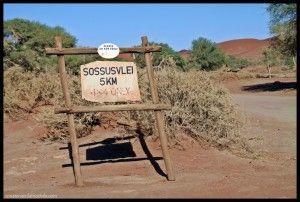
x=205 y=55
x=236 y=64
x=288 y=62
x=201 y=111
x=26 y=92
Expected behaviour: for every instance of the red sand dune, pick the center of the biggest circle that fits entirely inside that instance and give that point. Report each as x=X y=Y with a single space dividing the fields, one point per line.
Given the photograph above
x=184 y=53
x=250 y=49
x=245 y=48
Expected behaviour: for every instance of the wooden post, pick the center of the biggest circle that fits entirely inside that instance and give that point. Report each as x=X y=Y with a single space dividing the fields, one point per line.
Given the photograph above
x=158 y=114
x=67 y=97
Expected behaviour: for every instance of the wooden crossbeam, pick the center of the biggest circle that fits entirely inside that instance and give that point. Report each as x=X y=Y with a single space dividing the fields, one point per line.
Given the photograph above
x=110 y=108
x=78 y=51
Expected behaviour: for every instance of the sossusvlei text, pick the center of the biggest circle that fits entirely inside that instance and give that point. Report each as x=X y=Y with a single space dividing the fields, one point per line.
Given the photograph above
x=96 y=71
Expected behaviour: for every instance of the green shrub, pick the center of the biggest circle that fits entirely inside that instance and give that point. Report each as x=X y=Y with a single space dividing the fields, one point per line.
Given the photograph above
x=205 y=55
x=234 y=63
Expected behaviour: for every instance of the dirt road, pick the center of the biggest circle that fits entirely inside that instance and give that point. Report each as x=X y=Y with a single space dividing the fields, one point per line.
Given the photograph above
x=33 y=168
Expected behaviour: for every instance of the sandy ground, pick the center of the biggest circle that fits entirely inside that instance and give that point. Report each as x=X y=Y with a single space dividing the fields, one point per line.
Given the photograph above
x=133 y=168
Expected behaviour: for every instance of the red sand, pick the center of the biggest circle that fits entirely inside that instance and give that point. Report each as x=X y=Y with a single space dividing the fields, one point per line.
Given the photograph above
x=250 y=49
x=244 y=48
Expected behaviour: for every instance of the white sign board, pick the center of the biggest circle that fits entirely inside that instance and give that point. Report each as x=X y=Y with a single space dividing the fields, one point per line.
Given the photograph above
x=109 y=81
x=108 y=50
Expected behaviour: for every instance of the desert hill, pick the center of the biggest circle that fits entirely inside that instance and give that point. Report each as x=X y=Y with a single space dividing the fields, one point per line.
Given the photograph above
x=250 y=49
x=245 y=48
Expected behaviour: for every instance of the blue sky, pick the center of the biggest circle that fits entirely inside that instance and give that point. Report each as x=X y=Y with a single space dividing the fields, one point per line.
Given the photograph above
x=124 y=24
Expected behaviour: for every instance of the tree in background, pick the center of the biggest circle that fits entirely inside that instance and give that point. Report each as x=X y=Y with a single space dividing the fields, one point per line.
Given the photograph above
x=270 y=58
x=166 y=55
x=206 y=55
x=24 y=43
x=283 y=24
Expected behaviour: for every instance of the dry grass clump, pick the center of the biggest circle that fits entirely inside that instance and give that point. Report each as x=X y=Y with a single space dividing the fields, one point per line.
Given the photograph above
x=200 y=109
x=24 y=91
x=29 y=93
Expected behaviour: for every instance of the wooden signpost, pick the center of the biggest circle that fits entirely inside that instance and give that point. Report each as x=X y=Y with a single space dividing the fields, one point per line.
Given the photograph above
x=127 y=91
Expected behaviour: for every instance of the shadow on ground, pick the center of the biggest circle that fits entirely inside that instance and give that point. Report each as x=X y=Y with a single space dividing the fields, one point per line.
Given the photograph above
x=275 y=86
x=111 y=151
